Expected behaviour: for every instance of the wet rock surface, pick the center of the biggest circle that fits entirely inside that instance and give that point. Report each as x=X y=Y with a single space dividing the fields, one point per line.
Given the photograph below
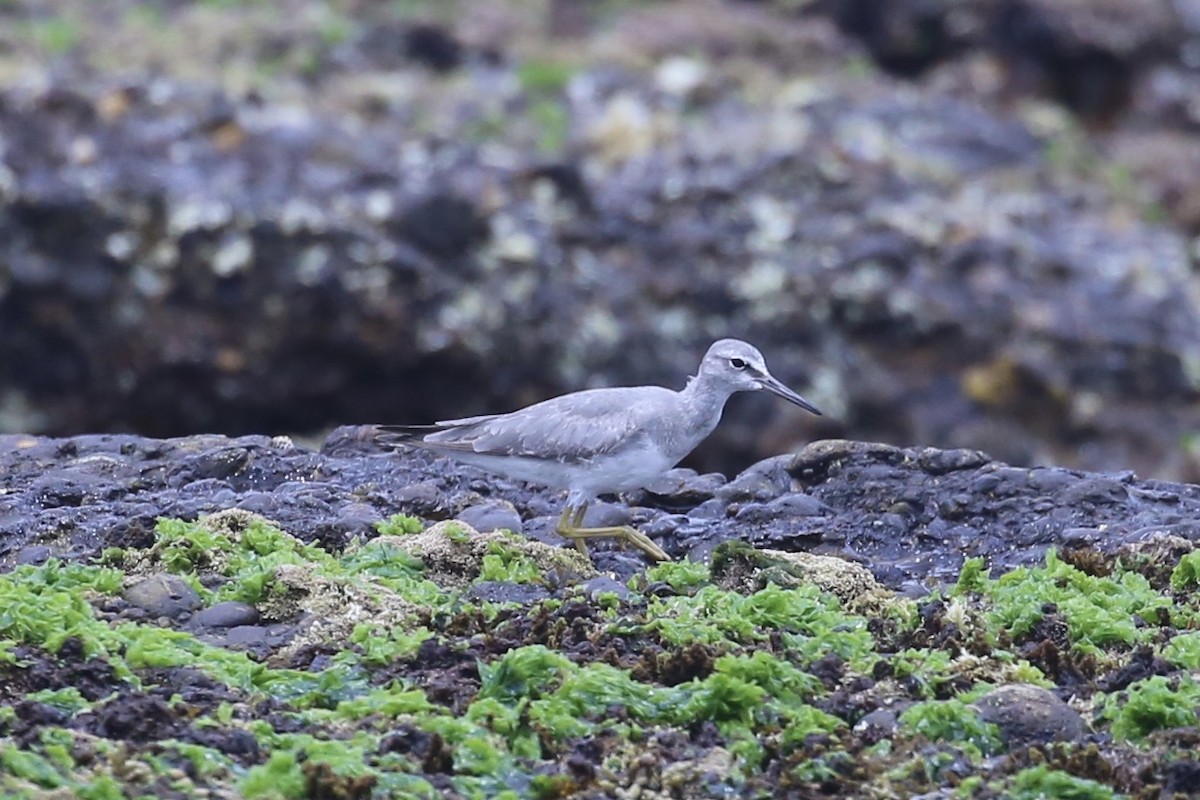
x=163 y=596
x=912 y=516
x=1031 y=714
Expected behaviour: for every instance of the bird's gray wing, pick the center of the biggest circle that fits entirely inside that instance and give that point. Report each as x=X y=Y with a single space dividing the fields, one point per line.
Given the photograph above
x=571 y=428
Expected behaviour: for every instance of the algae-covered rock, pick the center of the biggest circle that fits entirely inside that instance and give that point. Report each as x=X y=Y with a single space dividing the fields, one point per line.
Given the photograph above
x=328 y=609
x=739 y=567
x=454 y=554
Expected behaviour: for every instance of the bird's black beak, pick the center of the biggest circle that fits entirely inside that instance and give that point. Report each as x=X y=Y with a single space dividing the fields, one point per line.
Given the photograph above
x=775 y=387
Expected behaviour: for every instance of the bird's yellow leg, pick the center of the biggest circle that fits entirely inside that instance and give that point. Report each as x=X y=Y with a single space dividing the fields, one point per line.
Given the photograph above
x=568 y=523
x=569 y=528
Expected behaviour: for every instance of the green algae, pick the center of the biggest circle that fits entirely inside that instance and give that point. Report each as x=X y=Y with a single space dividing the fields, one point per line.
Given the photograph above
x=535 y=704
x=533 y=694
x=382 y=645
x=952 y=721
x=1183 y=650
x=47 y=605
x=1099 y=611
x=279 y=777
x=1187 y=572
x=1152 y=704
x=713 y=615
x=679 y=575
x=505 y=563
x=1041 y=782
x=399 y=525
x=67 y=700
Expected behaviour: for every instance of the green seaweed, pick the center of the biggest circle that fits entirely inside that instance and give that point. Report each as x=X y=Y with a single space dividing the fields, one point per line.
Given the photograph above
x=505 y=563
x=1150 y=705
x=536 y=705
x=1099 y=611
x=679 y=575
x=1183 y=650
x=955 y=722
x=1187 y=572
x=399 y=525
x=387 y=645
x=1042 y=781
x=713 y=615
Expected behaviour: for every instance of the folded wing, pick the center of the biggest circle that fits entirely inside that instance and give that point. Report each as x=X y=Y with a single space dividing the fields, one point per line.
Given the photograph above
x=570 y=429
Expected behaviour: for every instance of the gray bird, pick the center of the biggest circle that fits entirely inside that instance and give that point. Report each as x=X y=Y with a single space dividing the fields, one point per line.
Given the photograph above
x=602 y=441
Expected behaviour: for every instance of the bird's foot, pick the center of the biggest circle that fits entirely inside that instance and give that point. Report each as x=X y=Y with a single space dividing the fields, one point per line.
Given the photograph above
x=622 y=533
x=569 y=528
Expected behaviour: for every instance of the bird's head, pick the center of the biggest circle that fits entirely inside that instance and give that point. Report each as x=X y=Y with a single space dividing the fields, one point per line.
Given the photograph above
x=739 y=367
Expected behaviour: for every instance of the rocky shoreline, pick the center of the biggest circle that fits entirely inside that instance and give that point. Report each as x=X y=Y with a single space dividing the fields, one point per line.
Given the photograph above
x=910 y=515
x=247 y=617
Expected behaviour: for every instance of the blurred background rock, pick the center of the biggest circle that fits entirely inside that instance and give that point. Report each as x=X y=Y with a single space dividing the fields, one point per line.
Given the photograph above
x=959 y=223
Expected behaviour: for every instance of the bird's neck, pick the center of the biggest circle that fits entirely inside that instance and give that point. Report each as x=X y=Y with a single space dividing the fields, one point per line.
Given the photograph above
x=704 y=401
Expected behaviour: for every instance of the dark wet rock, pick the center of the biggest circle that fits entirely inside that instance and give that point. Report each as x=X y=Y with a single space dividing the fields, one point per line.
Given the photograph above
x=1086 y=55
x=433 y=754
x=225 y=615
x=914 y=590
x=708 y=510
x=789 y=506
x=1141 y=665
x=443 y=225
x=134 y=716
x=163 y=595
x=880 y=503
x=34 y=714
x=1030 y=715
x=542 y=529
x=906 y=38
x=603 y=584
x=257 y=640
x=246 y=637
x=1183 y=778
x=33 y=554
x=662 y=525
x=878 y=724
x=424 y=498
x=505 y=592
x=607 y=515
x=433 y=46
x=682 y=488
x=492 y=515
x=762 y=482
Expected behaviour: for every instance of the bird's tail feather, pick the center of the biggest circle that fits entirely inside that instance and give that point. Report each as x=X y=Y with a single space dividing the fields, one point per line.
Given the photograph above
x=392 y=435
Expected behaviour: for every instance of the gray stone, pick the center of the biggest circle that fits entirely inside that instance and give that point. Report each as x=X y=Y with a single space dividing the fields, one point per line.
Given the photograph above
x=33 y=554
x=760 y=482
x=607 y=515
x=492 y=515
x=793 y=504
x=505 y=592
x=680 y=487
x=226 y=615
x=1029 y=714
x=603 y=584
x=163 y=595
x=246 y=636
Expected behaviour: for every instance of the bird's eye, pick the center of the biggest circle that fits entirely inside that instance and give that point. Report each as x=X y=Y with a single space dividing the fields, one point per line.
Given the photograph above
x=737 y=363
